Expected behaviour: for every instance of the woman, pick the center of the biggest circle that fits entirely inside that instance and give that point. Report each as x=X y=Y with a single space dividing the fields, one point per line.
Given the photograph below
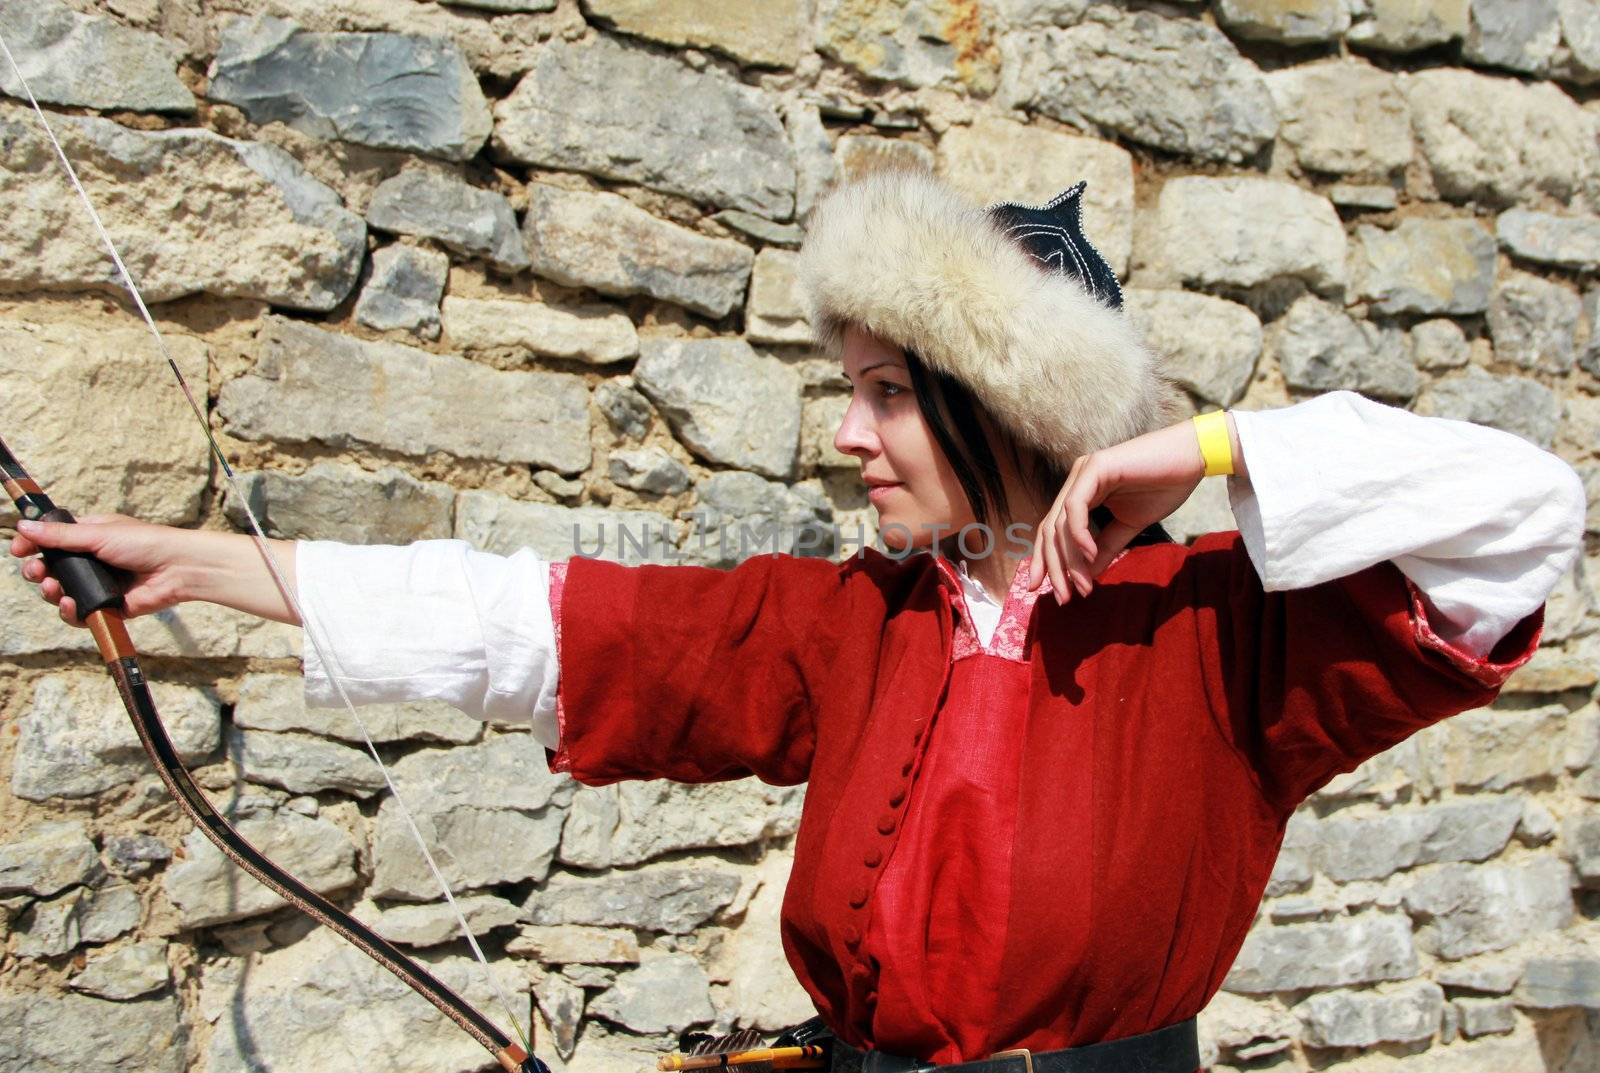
x=1030 y=823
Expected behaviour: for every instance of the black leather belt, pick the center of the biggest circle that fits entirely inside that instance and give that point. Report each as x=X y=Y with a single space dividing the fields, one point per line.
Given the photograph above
x=1173 y=1049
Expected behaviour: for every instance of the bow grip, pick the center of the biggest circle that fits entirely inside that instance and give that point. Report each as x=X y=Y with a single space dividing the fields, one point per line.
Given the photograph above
x=90 y=582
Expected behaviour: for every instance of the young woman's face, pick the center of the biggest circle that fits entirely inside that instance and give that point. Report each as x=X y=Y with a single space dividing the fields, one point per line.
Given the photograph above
x=909 y=479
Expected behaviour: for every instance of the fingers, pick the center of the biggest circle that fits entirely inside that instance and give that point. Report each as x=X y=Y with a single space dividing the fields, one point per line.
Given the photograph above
x=1113 y=539
x=61 y=535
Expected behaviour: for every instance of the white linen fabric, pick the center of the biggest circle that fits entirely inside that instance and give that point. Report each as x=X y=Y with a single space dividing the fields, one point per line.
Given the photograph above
x=1482 y=522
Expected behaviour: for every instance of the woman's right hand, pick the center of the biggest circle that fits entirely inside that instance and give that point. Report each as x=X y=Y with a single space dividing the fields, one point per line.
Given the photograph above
x=163 y=566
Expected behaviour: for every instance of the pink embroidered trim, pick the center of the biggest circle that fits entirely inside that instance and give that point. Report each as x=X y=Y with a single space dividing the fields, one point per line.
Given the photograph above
x=558 y=585
x=1480 y=669
x=1011 y=633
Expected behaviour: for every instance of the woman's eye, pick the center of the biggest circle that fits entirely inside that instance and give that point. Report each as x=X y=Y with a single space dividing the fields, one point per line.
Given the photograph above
x=889 y=390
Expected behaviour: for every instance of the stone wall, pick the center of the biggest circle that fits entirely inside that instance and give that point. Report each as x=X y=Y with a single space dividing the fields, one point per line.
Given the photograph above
x=494 y=268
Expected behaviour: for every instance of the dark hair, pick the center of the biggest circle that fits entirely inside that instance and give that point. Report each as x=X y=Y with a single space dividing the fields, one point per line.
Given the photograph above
x=953 y=414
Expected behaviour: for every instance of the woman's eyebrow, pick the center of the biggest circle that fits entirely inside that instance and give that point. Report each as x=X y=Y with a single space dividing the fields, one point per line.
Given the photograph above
x=875 y=365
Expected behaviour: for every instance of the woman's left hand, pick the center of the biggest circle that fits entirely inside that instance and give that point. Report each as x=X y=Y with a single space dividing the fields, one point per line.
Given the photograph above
x=1140 y=481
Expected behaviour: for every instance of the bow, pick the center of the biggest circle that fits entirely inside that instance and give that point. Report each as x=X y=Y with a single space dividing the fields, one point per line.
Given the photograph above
x=98 y=596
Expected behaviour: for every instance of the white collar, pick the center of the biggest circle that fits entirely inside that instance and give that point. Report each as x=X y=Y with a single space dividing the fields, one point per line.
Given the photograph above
x=974 y=589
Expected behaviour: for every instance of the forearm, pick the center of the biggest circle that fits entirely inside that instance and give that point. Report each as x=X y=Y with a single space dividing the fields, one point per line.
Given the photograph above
x=228 y=569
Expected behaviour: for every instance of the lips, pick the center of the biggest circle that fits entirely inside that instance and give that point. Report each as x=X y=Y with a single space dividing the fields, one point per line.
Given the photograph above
x=875 y=492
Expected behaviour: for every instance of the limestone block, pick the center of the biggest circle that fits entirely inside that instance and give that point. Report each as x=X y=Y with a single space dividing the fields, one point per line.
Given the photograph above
x=637 y=821
x=768 y=32
x=1321 y=349
x=776 y=310
x=1240 y=232
x=206 y=888
x=913 y=42
x=1401 y=1014
x=1376 y=845
x=674 y=897
x=1534 y=323
x=664 y=994
x=1291 y=22
x=1208 y=345
x=1466 y=909
x=738 y=515
x=46 y=858
x=648 y=469
x=466 y=219
x=1511 y=403
x=1409 y=25
x=276 y=702
x=435 y=922
x=303 y=764
x=1350 y=950
x=403 y=291
x=1344 y=117
x=1518 y=35
x=46 y=1032
x=331 y=501
x=1546 y=238
x=66 y=56
x=1425 y=266
x=596 y=334
x=127 y=972
x=494 y=523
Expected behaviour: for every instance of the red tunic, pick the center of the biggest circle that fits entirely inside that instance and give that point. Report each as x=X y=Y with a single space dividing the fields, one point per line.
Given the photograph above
x=1057 y=841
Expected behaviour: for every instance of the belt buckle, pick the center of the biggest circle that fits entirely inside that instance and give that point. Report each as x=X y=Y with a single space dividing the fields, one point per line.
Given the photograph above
x=1021 y=1052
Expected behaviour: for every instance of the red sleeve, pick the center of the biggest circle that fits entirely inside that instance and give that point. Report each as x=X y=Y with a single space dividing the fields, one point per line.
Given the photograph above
x=688 y=672
x=1310 y=682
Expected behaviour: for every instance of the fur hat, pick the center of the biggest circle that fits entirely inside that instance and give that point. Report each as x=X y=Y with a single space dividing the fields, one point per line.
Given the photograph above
x=902 y=255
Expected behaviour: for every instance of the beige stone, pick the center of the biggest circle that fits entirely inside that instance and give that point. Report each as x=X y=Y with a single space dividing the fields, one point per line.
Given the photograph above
x=97 y=417
x=1342 y=116
x=998 y=159
x=1292 y=22
x=863 y=154
x=914 y=42
x=574 y=944
x=767 y=32
x=595 y=334
x=818 y=422
x=776 y=310
x=1407 y=25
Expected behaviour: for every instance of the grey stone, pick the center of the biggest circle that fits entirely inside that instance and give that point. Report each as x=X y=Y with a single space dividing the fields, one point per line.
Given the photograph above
x=1363 y=196
x=1499 y=140
x=820 y=418
x=776 y=311
x=1580 y=836
x=724 y=402
x=621 y=112
x=570 y=943
x=596 y=334
x=126 y=972
x=276 y=702
x=331 y=501
x=1466 y=909
x=465 y=219
x=1403 y=1014
x=1492 y=974
x=1151 y=79
x=560 y=487
x=495 y=523
x=1589 y=357
x=758 y=227
x=1351 y=950
x=1208 y=345
x=66 y=58
x=45 y=1033
x=627 y=411
x=1537 y=825
x=1290 y=22
x=1322 y=349
x=131 y=856
x=503 y=5
x=648 y=469
x=206 y=888
x=192 y=212
x=1232 y=1023
x=391 y=91
x=75 y=739
x=1520 y=35
x=815 y=167
x=470 y=803
x=1493 y=749
x=303 y=764
x=280 y=1010
x=1292 y=870
x=1484 y=1016
x=1019 y=13
x=1344 y=117
x=1425 y=266
x=1580 y=32
x=435 y=922
x=771 y=34
x=1559 y=983
x=1546 y=238
x=47 y=857
x=911 y=42
x=595 y=976
x=605 y=242
x=1241 y=232
x=60 y=925
x=1408 y=25
x=398 y=398
x=562 y=1003
x=757 y=995
x=1439 y=344
x=634 y=822
x=997 y=159
x=665 y=994
x=1534 y=323
x=674 y=898
x=403 y=291
x=1377 y=845
x=737 y=515
x=1511 y=403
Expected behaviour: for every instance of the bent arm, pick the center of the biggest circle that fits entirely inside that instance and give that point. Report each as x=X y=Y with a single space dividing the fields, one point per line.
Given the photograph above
x=1483 y=523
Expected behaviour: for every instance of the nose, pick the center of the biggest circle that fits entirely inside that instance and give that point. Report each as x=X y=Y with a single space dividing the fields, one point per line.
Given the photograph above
x=856 y=435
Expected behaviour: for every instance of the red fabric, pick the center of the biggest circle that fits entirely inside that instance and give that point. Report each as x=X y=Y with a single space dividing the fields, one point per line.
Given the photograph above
x=1097 y=816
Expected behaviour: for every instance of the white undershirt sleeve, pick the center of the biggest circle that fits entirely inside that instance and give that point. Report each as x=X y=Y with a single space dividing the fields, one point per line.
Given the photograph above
x=431 y=620
x=1481 y=521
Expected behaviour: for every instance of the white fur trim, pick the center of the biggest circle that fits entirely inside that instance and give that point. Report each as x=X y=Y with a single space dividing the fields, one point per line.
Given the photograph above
x=902 y=255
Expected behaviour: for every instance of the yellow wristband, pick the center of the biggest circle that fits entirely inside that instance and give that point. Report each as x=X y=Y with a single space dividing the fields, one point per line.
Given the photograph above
x=1216 y=448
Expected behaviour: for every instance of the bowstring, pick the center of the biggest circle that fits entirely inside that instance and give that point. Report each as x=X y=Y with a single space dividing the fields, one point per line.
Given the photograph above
x=323 y=652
